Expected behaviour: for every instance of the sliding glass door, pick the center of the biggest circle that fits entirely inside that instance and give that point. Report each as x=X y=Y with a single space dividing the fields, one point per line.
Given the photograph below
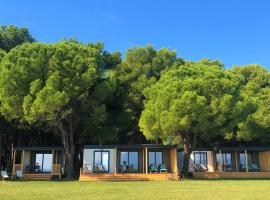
x=129 y=161
x=102 y=158
x=224 y=162
x=43 y=163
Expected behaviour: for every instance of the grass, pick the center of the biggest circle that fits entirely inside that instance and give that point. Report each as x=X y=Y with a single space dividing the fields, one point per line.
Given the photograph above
x=154 y=190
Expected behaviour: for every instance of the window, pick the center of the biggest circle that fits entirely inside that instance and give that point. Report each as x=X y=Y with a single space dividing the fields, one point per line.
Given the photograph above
x=43 y=162
x=102 y=158
x=242 y=161
x=224 y=161
x=200 y=158
x=155 y=157
x=131 y=159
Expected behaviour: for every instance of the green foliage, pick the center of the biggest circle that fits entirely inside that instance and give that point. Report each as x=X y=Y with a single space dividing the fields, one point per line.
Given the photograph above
x=141 y=68
x=12 y=36
x=189 y=101
x=44 y=82
x=254 y=107
x=2 y=54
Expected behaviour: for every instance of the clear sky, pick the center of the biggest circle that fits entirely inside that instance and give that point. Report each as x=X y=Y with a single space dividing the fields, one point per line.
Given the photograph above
x=235 y=31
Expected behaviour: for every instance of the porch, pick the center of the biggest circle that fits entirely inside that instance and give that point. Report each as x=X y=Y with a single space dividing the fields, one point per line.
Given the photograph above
x=237 y=162
x=132 y=162
x=37 y=163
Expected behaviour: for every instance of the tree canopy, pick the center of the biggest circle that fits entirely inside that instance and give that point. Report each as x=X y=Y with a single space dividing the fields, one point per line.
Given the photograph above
x=190 y=102
x=141 y=68
x=11 y=36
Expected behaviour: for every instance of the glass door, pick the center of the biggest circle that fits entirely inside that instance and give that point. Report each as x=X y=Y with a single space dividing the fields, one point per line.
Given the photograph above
x=105 y=161
x=43 y=163
x=101 y=159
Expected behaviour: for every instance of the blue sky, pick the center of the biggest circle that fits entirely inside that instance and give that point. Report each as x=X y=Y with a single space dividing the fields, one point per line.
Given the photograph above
x=235 y=31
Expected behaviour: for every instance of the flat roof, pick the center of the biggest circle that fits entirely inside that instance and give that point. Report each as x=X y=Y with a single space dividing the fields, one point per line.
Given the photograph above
x=250 y=148
x=231 y=148
x=37 y=148
x=126 y=146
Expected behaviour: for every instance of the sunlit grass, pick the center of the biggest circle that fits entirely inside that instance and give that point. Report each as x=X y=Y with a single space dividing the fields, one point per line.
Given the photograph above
x=154 y=190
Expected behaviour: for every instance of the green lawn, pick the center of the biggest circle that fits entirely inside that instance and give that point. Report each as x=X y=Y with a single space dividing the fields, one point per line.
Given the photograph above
x=154 y=190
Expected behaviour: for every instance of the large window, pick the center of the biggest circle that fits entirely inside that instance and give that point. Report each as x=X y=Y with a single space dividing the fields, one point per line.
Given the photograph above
x=43 y=162
x=200 y=158
x=102 y=158
x=224 y=161
x=130 y=161
x=249 y=161
x=155 y=157
x=242 y=161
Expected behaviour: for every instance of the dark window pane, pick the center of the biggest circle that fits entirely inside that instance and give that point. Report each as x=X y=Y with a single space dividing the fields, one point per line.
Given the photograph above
x=124 y=158
x=133 y=160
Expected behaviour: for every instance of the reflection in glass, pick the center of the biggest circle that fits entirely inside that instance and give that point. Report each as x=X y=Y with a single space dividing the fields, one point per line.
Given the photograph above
x=129 y=160
x=102 y=158
x=105 y=160
x=155 y=157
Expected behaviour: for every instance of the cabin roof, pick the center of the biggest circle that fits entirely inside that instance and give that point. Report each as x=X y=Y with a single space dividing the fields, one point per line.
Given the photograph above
x=37 y=148
x=249 y=148
x=126 y=146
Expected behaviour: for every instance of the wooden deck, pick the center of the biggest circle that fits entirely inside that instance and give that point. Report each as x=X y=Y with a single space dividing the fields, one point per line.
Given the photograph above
x=37 y=176
x=127 y=177
x=231 y=175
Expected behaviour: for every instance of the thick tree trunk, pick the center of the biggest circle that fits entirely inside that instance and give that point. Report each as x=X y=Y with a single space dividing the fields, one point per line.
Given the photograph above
x=187 y=153
x=67 y=136
x=190 y=141
x=69 y=157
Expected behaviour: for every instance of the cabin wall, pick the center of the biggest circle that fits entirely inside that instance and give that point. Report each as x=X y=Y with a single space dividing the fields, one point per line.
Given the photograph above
x=173 y=156
x=88 y=158
x=264 y=160
x=167 y=158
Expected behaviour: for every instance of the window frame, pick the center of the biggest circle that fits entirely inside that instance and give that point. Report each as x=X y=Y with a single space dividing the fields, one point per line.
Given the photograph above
x=224 y=156
x=42 y=160
x=155 y=157
x=200 y=156
x=138 y=163
x=102 y=151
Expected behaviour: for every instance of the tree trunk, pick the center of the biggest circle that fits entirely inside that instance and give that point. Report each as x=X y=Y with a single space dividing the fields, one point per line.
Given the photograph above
x=69 y=157
x=190 y=141
x=1 y=152
x=67 y=136
x=187 y=153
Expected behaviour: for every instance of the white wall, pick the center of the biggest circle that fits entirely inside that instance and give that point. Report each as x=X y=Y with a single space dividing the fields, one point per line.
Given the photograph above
x=88 y=158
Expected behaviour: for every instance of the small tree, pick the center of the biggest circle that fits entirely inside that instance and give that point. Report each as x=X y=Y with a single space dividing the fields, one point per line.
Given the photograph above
x=45 y=85
x=189 y=101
